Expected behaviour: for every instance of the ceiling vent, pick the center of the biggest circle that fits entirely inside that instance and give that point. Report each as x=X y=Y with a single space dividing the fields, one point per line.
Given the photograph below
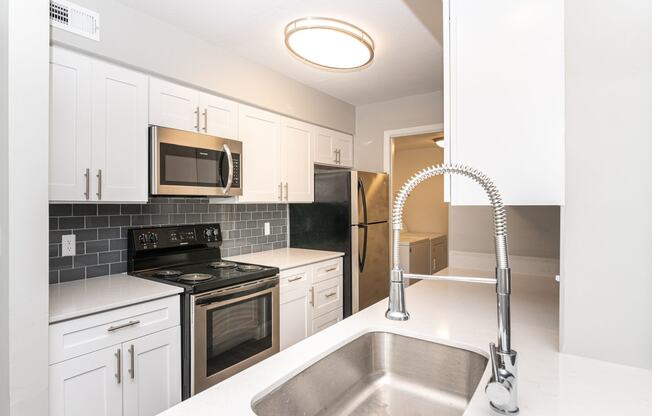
x=75 y=19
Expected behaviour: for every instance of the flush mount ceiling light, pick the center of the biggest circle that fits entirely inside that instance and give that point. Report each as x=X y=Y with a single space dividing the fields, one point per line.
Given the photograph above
x=329 y=43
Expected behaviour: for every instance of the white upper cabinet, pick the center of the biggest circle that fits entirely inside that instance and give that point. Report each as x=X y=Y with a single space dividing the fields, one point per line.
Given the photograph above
x=504 y=98
x=260 y=133
x=172 y=105
x=219 y=116
x=119 y=146
x=70 y=126
x=333 y=148
x=98 y=130
x=297 y=167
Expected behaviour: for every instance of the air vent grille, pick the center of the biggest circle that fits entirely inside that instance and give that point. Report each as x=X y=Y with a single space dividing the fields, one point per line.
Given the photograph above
x=75 y=19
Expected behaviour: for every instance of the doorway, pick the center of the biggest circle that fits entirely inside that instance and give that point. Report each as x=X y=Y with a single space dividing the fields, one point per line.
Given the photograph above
x=424 y=237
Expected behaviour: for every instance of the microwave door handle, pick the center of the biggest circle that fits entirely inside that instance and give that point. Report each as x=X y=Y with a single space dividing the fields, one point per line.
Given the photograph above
x=229 y=157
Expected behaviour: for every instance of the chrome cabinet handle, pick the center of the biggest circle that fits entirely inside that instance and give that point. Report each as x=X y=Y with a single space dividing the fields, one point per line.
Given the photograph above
x=312 y=296
x=132 y=354
x=87 y=175
x=121 y=326
x=295 y=279
x=99 y=184
x=330 y=295
x=229 y=157
x=197 y=118
x=205 y=120
x=331 y=269
x=335 y=151
x=118 y=375
x=280 y=191
x=287 y=191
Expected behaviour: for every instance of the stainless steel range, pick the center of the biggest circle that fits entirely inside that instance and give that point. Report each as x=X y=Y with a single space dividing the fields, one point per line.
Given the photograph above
x=229 y=310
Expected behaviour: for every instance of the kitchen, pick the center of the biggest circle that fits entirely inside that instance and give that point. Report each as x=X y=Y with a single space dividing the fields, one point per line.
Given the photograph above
x=121 y=112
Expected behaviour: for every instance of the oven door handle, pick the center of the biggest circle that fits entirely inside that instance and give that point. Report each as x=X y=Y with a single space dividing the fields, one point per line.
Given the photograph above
x=223 y=299
x=229 y=157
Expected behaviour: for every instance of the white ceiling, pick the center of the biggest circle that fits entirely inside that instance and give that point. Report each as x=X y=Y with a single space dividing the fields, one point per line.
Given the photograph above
x=407 y=34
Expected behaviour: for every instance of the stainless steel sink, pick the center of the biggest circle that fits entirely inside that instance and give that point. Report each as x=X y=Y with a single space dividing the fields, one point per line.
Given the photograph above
x=380 y=373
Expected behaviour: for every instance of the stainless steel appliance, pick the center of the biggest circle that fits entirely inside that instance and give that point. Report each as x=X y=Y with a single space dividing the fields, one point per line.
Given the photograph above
x=229 y=311
x=186 y=163
x=350 y=214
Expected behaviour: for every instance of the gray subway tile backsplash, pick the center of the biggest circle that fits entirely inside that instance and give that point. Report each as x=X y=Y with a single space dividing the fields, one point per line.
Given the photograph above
x=101 y=230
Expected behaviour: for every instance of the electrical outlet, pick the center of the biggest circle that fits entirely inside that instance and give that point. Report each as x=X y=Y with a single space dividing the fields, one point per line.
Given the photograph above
x=68 y=244
x=267 y=228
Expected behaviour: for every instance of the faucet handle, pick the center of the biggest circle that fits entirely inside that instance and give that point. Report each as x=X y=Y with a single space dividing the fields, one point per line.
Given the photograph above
x=494 y=360
x=501 y=389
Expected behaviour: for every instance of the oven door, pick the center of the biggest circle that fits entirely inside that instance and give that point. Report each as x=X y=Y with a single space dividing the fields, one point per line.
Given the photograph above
x=234 y=328
x=185 y=163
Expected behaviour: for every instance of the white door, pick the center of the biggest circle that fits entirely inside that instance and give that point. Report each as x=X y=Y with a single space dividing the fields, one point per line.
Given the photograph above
x=172 y=105
x=295 y=306
x=120 y=137
x=260 y=133
x=504 y=98
x=70 y=126
x=90 y=384
x=324 y=150
x=297 y=160
x=152 y=373
x=343 y=143
x=219 y=116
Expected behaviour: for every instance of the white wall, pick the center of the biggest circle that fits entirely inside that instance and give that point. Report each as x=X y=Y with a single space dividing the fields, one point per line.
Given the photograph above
x=606 y=299
x=371 y=121
x=129 y=36
x=24 y=50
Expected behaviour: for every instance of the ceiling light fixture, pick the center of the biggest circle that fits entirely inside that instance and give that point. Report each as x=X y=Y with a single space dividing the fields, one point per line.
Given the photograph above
x=439 y=142
x=329 y=43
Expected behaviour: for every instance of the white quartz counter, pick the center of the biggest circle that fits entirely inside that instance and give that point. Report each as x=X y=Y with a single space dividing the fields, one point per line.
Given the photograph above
x=84 y=297
x=462 y=314
x=287 y=258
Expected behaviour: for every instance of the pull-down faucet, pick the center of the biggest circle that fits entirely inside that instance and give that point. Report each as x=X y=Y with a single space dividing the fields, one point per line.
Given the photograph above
x=502 y=388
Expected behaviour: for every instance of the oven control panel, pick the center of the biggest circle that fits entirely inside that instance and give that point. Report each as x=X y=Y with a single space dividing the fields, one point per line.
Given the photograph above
x=174 y=236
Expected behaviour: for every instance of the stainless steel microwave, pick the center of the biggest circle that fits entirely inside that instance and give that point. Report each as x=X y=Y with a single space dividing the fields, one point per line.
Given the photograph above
x=186 y=163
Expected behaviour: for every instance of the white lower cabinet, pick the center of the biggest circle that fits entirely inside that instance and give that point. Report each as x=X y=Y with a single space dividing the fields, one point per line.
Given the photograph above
x=138 y=376
x=308 y=302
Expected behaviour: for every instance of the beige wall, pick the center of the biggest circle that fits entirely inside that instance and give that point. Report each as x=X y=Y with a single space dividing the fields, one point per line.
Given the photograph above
x=533 y=231
x=131 y=37
x=425 y=210
x=372 y=120
x=606 y=281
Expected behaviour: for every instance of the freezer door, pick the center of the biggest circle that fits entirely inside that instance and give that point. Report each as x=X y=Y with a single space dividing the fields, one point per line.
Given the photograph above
x=373 y=197
x=372 y=263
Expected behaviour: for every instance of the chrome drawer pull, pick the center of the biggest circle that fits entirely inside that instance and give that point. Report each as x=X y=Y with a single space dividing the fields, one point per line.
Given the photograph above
x=115 y=328
x=331 y=269
x=331 y=294
x=295 y=279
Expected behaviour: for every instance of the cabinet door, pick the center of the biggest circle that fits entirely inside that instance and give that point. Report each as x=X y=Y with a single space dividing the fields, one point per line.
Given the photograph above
x=326 y=320
x=295 y=306
x=297 y=160
x=344 y=144
x=324 y=150
x=152 y=373
x=172 y=105
x=120 y=137
x=504 y=98
x=70 y=126
x=260 y=133
x=219 y=116
x=90 y=384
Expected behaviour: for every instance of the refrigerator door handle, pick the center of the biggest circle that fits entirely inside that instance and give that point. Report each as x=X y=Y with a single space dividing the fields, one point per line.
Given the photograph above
x=362 y=258
x=364 y=201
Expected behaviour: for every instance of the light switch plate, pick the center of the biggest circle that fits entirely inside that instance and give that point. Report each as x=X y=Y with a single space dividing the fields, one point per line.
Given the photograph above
x=267 y=230
x=68 y=245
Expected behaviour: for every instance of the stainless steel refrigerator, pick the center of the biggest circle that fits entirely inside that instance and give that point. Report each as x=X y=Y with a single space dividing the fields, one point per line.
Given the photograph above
x=350 y=214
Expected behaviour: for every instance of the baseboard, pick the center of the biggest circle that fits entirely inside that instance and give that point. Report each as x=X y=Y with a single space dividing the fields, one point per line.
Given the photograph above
x=537 y=266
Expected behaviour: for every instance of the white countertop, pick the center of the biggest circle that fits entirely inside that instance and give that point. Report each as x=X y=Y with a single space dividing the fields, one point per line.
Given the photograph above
x=286 y=258
x=84 y=297
x=462 y=314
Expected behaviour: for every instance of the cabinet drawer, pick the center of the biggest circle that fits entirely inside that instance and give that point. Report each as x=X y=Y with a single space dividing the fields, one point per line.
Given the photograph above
x=326 y=320
x=327 y=269
x=327 y=296
x=75 y=337
x=296 y=278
